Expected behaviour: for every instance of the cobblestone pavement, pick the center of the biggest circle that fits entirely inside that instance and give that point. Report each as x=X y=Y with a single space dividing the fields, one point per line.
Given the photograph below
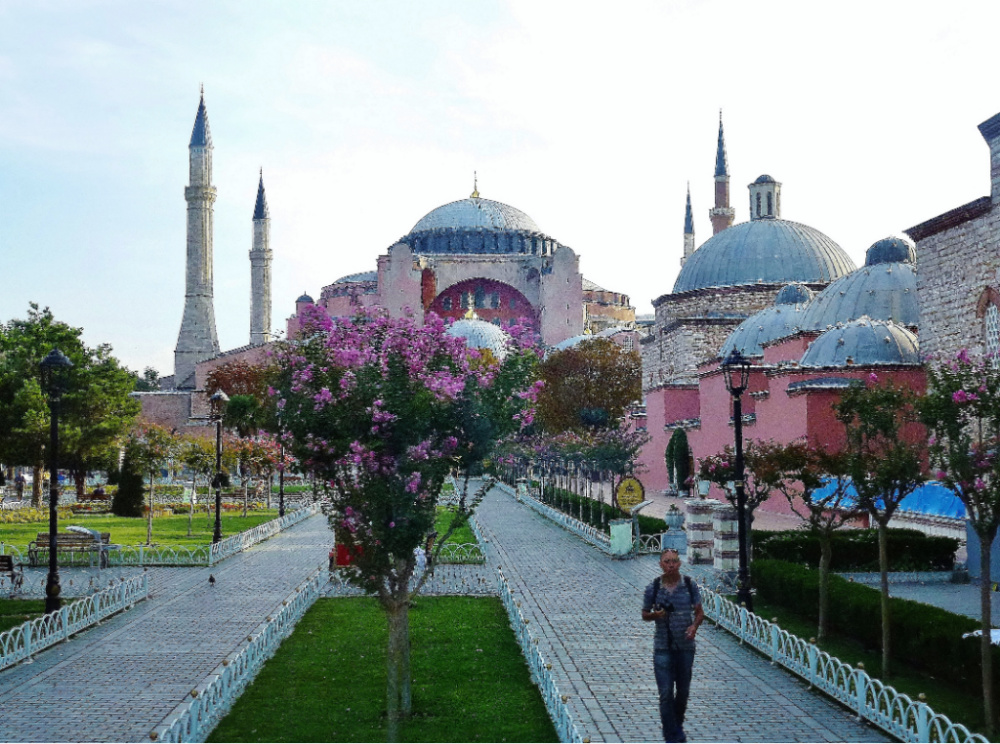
x=117 y=681
x=584 y=608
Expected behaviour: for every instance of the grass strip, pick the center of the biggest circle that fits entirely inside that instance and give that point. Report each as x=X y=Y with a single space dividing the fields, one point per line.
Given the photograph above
x=943 y=697
x=327 y=680
x=14 y=612
x=169 y=530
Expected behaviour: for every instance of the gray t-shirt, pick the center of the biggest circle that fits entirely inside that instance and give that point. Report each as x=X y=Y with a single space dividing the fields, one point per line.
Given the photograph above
x=670 y=631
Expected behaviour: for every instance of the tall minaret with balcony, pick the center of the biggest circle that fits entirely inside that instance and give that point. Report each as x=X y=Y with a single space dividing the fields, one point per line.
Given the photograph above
x=260 y=270
x=721 y=214
x=198 y=338
x=688 y=229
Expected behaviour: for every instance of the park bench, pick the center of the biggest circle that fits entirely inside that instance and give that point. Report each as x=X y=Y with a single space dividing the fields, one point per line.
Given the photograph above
x=14 y=571
x=69 y=542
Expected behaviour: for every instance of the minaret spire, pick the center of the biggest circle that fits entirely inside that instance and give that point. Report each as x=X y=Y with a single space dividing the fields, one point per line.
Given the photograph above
x=260 y=270
x=688 y=228
x=721 y=214
x=198 y=339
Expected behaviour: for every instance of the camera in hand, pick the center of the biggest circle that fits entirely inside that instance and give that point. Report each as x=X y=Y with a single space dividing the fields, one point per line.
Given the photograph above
x=669 y=607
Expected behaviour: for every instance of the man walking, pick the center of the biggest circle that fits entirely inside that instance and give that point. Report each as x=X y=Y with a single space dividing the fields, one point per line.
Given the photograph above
x=673 y=602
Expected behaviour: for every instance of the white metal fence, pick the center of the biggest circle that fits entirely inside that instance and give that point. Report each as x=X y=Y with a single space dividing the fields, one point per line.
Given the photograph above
x=18 y=644
x=204 y=707
x=870 y=699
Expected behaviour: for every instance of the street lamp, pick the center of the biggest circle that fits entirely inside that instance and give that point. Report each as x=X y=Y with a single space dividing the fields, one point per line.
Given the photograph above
x=218 y=406
x=53 y=378
x=736 y=369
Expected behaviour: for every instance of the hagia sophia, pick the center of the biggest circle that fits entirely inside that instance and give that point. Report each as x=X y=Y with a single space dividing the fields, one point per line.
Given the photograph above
x=782 y=293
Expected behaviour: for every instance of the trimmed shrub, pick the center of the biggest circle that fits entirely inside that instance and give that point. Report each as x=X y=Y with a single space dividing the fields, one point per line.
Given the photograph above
x=857 y=550
x=128 y=499
x=925 y=637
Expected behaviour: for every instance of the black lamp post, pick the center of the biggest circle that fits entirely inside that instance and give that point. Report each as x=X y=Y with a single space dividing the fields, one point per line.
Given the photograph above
x=53 y=368
x=218 y=406
x=736 y=369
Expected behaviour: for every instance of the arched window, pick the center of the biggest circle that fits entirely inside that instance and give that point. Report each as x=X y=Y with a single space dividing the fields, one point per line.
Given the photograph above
x=758 y=204
x=988 y=308
x=770 y=204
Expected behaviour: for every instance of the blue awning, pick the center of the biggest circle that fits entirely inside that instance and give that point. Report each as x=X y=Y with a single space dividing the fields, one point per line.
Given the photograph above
x=932 y=498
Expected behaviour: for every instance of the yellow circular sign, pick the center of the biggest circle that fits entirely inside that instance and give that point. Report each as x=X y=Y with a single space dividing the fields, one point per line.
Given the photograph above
x=629 y=493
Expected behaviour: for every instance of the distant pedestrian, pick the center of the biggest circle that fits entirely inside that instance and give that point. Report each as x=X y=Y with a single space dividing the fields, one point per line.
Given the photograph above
x=673 y=602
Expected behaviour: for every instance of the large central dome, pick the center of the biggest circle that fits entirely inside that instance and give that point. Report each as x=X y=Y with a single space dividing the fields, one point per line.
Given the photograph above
x=474 y=212
x=764 y=251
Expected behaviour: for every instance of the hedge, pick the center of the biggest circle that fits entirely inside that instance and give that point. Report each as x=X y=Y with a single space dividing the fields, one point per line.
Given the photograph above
x=923 y=636
x=857 y=550
x=560 y=497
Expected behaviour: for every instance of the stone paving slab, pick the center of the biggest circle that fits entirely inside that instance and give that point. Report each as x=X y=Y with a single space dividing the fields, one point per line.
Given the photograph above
x=115 y=682
x=584 y=608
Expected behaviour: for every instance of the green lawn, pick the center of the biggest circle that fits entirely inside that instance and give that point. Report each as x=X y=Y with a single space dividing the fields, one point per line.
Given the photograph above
x=171 y=530
x=460 y=536
x=327 y=681
x=944 y=698
x=13 y=612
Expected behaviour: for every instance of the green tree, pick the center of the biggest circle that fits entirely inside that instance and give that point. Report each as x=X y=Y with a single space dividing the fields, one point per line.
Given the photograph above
x=678 y=459
x=816 y=484
x=587 y=386
x=962 y=412
x=127 y=501
x=96 y=409
x=197 y=454
x=884 y=463
x=150 y=448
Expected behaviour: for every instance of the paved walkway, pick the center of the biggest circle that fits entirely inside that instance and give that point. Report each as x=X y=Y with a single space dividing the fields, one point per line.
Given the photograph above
x=584 y=607
x=117 y=681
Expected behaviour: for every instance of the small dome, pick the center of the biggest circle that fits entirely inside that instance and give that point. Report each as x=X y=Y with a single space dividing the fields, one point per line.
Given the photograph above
x=472 y=213
x=793 y=294
x=304 y=298
x=863 y=342
x=364 y=276
x=765 y=179
x=764 y=251
x=778 y=321
x=891 y=250
x=479 y=334
x=884 y=291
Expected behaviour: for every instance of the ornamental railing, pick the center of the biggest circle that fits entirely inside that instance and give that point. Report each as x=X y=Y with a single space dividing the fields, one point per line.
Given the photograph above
x=451 y=579
x=589 y=533
x=231 y=545
x=206 y=704
x=871 y=699
x=461 y=553
x=18 y=644
x=541 y=670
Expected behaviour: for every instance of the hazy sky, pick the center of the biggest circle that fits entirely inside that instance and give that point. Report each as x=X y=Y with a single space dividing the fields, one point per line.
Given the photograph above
x=366 y=115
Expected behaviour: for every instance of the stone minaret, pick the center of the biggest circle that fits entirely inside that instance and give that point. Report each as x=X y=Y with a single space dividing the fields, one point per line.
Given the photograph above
x=198 y=338
x=721 y=214
x=260 y=271
x=688 y=229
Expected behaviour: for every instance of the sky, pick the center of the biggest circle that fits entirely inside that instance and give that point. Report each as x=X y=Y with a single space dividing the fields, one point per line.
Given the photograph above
x=592 y=118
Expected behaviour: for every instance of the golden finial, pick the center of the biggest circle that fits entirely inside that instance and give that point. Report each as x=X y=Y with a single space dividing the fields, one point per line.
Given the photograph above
x=475 y=186
x=471 y=315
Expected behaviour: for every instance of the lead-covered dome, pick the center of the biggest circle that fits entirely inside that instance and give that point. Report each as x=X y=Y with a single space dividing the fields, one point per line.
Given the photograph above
x=778 y=321
x=473 y=213
x=863 y=342
x=885 y=288
x=479 y=334
x=764 y=251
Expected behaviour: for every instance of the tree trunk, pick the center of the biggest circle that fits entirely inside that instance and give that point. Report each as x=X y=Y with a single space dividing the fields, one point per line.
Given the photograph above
x=398 y=698
x=149 y=516
x=825 y=558
x=80 y=477
x=883 y=566
x=246 y=493
x=986 y=625
x=36 y=486
x=194 y=498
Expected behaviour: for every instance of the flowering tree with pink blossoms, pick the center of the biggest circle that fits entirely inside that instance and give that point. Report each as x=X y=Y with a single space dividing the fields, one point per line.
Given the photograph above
x=962 y=412
x=383 y=410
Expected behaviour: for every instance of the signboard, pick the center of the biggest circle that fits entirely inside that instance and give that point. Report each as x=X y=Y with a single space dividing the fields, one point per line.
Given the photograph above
x=629 y=493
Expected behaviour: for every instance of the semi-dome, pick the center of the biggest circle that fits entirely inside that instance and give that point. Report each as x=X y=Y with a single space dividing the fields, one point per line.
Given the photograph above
x=891 y=250
x=778 y=321
x=881 y=289
x=863 y=342
x=771 y=251
x=473 y=213
x=479 y=334
x=364 y=276
x=305 y=298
